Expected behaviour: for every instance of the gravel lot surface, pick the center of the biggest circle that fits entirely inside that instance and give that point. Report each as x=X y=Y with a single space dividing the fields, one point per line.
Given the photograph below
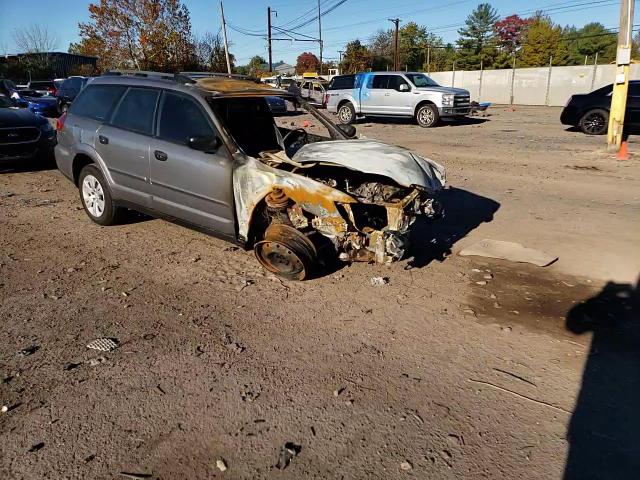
x=460 y=367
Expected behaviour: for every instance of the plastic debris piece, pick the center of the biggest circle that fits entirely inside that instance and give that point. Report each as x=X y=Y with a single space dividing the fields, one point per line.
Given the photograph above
x=104 y=344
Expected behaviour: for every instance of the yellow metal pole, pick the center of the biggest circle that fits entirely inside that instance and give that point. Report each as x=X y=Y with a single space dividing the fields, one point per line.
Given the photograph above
x=621 y=81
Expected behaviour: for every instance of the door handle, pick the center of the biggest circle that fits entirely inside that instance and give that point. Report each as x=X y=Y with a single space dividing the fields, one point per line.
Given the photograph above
x=160 y=155
x=103 y=140
x=387 y=94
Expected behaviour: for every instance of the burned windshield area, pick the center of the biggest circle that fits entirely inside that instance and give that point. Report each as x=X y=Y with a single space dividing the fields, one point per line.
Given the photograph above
x=249 y=121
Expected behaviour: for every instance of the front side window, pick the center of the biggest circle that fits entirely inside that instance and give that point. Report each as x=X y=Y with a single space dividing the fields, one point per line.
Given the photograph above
x=395 y=81
x=634 y=90
x=181 y=118
x=97 y=101
x=136 y=110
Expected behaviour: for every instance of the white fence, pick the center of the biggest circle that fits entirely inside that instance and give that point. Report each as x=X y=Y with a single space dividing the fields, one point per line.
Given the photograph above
x=531 y=86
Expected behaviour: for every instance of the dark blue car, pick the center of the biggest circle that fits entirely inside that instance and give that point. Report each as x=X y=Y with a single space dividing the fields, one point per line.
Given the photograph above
x=37 y=103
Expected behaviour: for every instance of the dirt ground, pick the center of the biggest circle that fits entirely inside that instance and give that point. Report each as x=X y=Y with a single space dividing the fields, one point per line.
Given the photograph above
x=460 y=367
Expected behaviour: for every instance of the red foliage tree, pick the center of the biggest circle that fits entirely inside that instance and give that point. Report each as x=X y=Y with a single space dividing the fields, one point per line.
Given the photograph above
x=307 y=62
x=510 y=31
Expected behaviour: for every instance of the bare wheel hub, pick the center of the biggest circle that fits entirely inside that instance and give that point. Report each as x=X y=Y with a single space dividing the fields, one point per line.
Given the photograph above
x=286 y=251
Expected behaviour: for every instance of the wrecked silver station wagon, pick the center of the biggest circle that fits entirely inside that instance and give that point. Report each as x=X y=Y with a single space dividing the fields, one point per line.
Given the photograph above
x=208 y=153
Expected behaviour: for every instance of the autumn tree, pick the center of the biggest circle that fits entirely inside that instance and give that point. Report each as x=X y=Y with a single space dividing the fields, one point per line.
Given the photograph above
x=357 y=58
x=307 y=62
x=476 y=43
x=210 y=54
x=256 y=66
x=510 y=32
x=140 y=34
x=542 y=41
x=413 y=41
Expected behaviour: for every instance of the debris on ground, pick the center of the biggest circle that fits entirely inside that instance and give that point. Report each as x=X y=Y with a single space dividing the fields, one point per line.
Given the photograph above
x=136 y=475
x=228 y=342
x=511 y=251
x=406 y=466
x=338 y=391
x=94 y=362
x=4 y=409
x=104 y=344
x=221 y=464
x=287 y=452
x=25 y=352
x=36 y=447
x=481 y=282
x=379 y=281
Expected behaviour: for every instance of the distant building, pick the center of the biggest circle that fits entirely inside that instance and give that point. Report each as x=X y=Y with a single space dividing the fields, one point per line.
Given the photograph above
x=284 y=68
x=58 y=64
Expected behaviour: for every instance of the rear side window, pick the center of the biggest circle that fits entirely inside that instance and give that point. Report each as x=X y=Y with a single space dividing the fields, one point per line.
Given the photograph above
x=381 y=81
x=182 y=118
x=634 y=89
x=97 y=101
x=343 y=82
x=137 y=110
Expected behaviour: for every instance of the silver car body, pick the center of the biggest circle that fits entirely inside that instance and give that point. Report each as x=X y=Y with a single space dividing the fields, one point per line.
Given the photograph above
x=366 y=100
x=223 y=192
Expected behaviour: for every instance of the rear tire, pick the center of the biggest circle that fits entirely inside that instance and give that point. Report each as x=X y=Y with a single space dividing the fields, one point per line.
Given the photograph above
x=346 y=113
x=594 y=122
x=427 y=116
x=96 y=197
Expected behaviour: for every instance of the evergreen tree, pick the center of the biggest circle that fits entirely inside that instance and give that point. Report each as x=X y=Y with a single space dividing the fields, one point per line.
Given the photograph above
x=477 y=42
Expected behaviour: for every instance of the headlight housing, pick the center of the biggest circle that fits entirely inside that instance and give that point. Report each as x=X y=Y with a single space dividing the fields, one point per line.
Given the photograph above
x=447 y=99
x=46 y=127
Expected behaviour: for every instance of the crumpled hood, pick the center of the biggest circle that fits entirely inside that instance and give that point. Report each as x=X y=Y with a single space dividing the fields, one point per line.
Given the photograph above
x=455 y=91
x=369 y=156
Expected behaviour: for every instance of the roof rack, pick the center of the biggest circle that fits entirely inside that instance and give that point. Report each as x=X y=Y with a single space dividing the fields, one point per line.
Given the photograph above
x=175 y=77
x=237 y=76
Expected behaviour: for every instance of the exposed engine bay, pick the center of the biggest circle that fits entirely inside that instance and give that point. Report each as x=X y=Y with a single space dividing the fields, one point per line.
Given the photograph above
x=298 y=194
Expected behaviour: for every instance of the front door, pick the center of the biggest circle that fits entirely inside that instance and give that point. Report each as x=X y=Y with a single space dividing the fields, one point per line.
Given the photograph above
x=397 y=98
x=632 y=115
x=188 y=184
x=372 y=97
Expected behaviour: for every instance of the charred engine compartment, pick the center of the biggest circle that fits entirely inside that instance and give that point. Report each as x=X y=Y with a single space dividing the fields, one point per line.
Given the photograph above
x=373 y=228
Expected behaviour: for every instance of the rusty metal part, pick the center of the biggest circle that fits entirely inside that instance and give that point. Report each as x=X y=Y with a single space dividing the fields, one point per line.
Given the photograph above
x=297 y=217
x=277 y=200
x=287 y=252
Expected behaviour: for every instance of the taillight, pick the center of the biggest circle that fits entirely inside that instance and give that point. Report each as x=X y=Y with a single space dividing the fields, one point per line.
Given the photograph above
x=52 y=91
x=60 y=122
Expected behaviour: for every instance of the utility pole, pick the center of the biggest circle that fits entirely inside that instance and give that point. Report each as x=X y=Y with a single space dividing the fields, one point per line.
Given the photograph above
x=269 y=30
x=320 y=35
x=226 y=44
x=340 y=52
x=621 y=81
x=396 y=22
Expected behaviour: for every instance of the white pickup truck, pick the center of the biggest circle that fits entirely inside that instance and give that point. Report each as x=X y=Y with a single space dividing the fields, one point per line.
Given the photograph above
x=395 y=94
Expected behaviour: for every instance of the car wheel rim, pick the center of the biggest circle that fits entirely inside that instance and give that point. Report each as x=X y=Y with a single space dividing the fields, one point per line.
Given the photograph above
x=279 y=258
x=594 y=123
x=425 y=116
x=93 y=195
x=345 y=114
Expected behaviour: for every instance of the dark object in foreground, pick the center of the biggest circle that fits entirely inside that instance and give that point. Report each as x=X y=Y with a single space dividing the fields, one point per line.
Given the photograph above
x=288 y=451
x=590 y=111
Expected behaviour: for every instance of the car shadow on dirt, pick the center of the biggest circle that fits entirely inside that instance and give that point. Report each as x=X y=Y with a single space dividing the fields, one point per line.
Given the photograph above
x=464 y=212
x=410 y=121
x=604 y=431
x=36 y=165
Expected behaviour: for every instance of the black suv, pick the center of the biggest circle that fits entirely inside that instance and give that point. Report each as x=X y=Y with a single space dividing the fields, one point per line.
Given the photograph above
x=590 y=111
x=68 y=91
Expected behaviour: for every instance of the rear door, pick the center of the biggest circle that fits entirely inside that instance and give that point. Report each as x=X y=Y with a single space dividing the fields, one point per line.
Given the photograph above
x=372 y=98
x=188 y=184
x=125 y=142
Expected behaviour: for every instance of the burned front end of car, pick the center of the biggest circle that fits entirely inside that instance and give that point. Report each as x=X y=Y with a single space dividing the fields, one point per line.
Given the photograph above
x=374 y=228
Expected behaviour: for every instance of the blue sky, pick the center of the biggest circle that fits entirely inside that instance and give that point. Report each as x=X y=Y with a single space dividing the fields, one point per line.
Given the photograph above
x=353 y=19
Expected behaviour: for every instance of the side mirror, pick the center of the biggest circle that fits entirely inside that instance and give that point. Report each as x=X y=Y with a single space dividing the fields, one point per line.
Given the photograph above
x=403 y=88
x=348 y=130
x=204 y=144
